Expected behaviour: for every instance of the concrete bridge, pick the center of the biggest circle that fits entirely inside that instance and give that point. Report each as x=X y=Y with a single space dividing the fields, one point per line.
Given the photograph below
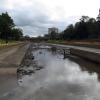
x=92 y=54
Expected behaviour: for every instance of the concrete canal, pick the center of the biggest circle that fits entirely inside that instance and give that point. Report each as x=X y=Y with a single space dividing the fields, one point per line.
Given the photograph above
x=45 y=75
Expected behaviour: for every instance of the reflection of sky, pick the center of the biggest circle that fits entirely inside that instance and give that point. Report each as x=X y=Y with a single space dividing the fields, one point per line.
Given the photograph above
x=65 y=80
x=60 y=80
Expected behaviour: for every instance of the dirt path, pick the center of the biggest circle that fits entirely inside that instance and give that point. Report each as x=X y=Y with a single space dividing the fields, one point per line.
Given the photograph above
x=12 y=56
x=10 y=59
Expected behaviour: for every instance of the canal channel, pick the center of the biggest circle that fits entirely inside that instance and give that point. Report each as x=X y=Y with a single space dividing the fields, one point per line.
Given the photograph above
x=45 y=74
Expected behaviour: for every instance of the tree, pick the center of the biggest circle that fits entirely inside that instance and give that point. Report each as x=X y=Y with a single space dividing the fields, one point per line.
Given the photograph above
x=86 y=28
x=91 y=26
x=6 y=24
x=81 y=28
x=7 y=30
x=16 y=33
x=53 y=35
x=60 y=35
x=84 y=19
x=68 y=32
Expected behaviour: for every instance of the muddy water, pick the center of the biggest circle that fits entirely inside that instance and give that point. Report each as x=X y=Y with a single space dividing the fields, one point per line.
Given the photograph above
x=60 y=79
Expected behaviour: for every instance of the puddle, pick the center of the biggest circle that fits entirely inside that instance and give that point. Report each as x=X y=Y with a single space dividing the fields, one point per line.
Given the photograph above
x=57 y=79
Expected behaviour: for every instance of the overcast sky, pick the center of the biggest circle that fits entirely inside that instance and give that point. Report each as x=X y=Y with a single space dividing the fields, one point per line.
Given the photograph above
x=36 y=16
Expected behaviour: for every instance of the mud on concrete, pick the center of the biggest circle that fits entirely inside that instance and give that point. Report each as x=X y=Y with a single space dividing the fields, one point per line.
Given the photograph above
x=29 y=65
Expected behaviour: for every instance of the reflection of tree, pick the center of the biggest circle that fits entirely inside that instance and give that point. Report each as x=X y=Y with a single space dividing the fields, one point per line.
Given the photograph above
x=54 y=50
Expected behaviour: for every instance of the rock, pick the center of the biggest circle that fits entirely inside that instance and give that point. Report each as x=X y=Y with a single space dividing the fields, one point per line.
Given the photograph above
x=39 y=68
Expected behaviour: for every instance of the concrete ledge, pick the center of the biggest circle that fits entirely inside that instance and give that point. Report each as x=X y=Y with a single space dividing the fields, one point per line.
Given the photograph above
x=86 y=54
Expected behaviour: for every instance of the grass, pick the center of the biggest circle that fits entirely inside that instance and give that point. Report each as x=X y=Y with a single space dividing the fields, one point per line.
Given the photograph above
x=10 y=42
x=56 y=41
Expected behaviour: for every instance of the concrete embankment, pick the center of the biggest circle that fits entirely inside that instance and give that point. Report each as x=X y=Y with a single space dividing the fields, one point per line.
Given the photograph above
x=86 y=54
x=92 y=54
x=11 y=57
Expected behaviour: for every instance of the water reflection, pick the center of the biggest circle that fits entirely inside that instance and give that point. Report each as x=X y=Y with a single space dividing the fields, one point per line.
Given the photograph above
x=59 y=80
x=64 y=79
x=91 y=67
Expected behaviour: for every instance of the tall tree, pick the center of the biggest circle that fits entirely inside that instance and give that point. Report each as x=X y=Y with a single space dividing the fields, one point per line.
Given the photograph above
x=53 y=35
x=6 y=24
x=68 y=32
x=16 y=33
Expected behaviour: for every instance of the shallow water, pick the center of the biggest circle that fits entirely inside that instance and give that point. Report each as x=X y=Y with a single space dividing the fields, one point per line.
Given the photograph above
x=61 y=79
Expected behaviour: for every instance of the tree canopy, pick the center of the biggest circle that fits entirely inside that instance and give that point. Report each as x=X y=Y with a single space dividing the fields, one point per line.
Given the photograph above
x=86 y=28
x=7 y=28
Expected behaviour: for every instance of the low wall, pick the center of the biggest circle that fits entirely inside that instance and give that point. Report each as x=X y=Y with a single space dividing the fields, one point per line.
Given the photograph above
x=86 y=54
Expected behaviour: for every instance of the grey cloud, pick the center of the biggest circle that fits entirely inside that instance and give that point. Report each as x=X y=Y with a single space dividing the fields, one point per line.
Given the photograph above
x=35 y=23
x=34 y=19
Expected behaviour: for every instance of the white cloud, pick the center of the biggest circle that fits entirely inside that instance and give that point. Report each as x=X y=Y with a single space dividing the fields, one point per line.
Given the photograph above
x=47 y=13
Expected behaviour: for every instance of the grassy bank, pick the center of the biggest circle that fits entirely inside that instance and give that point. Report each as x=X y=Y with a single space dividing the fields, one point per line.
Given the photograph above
x=85 y=43
x=3 y=43
x=56 y=41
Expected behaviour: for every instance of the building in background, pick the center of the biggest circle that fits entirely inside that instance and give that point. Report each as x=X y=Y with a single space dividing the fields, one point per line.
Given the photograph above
x=53 y=29
x=98 y=18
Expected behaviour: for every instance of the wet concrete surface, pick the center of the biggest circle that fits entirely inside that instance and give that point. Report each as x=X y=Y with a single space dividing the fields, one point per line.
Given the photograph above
x=55 y=78
x=7 y=83
x=87 y=65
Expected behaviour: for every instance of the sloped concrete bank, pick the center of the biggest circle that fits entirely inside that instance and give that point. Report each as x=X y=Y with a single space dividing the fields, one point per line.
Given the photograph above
x=92 y=56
